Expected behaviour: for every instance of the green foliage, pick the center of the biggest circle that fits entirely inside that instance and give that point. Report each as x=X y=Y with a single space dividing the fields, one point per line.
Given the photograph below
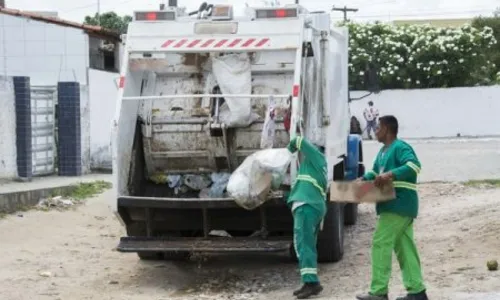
x=109 y=20
x=494 y=23
x=421 y=56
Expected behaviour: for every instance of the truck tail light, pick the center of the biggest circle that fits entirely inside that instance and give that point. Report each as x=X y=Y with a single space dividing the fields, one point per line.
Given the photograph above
x=276 y=13
x=295 y=91
x=155 y=16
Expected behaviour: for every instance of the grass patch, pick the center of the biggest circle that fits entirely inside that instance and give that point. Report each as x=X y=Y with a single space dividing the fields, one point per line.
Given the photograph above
x=88 y=189
x=495 y=183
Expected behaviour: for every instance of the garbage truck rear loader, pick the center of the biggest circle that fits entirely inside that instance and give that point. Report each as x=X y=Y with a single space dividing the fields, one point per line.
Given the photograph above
x=193 y=93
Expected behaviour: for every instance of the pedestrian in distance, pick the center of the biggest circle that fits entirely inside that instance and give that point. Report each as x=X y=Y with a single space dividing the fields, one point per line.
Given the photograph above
x=396 y=162
x=307 y=200
x=371 y=116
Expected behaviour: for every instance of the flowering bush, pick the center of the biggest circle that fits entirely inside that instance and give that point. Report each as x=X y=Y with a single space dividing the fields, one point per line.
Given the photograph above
x=421 y=56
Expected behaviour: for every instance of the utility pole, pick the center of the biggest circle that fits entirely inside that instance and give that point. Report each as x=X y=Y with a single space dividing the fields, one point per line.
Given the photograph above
x=99 y=12
x=345 y=10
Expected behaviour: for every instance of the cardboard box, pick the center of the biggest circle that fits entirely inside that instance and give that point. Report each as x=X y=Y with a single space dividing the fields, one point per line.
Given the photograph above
x=360 y=192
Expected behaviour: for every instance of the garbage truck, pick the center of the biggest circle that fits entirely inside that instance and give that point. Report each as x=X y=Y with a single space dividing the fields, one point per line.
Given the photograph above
x=194 y=89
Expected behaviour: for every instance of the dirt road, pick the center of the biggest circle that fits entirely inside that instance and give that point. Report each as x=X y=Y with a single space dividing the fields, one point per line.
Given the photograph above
x=69 y=255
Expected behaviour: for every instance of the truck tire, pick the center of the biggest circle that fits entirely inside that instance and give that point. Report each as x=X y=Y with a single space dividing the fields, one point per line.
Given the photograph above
x=330 y=245
x=350 y=214
x=331 y=238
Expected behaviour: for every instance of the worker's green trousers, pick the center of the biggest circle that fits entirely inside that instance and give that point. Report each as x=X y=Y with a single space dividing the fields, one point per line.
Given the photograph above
x=306 y=226
x=395 y=233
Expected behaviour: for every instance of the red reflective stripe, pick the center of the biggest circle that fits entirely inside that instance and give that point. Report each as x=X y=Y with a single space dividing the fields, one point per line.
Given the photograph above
x=296 y=90
x=121 y=84
x=193 y=43
x=262 y=42
x=179 y=44
x=207 y=43
x=167 y=43
x=220 y=43
x=234 y=43
x=248 y=43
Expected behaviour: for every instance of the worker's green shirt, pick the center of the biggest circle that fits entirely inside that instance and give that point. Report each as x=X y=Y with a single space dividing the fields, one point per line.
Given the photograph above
x=311 y=182
x=401 y=160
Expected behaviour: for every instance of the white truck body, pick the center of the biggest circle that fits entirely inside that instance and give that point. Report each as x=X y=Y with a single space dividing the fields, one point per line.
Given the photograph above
x=167 y=83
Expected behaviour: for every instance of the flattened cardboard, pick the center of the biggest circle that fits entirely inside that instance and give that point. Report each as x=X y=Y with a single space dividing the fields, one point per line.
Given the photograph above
x=360 y=192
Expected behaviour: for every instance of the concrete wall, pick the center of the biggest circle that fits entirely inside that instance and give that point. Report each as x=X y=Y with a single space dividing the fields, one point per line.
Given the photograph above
x=8 y=155
x=438 y=112
x=85 y=127
x=103 y=93
x=47 y=53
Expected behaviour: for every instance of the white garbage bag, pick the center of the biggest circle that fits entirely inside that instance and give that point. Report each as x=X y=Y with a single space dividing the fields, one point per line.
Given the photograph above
x=233 y=75
x=250 y=184
x=269 y=128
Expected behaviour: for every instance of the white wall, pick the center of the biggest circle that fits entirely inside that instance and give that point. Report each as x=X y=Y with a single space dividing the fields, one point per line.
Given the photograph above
x=47 y=53
x=8 y=150
x=430 y=113
x=85 y=127
x=103 y=94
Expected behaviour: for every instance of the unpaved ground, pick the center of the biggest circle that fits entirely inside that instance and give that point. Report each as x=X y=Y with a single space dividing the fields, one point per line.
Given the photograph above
x=69 y=255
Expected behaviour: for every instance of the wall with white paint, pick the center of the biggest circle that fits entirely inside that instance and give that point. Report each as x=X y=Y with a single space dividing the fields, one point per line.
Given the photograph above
x=103 y=93
x=85 y=127
x=427 y=113
x=8 y=150
x=47 y=53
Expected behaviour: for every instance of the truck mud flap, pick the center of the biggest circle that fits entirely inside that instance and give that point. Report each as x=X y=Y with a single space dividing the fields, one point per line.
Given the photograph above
x=156 y=244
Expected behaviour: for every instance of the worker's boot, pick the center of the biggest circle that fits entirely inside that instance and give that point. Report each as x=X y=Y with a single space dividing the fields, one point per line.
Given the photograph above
x=420 y=296
x=371 y=297
x=296 y=292
x=309 y=289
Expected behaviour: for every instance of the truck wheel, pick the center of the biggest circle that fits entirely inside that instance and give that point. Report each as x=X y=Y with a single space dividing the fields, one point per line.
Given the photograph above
x=350 y=214
x=351 y=209
x=331 y=238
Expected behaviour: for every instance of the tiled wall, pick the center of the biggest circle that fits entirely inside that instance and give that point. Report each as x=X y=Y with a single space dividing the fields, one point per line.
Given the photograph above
x=69 y=129
x=47 y=53
x=23 y=127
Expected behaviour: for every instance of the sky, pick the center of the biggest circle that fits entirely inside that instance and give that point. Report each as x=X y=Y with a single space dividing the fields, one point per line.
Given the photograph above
x=369 y=10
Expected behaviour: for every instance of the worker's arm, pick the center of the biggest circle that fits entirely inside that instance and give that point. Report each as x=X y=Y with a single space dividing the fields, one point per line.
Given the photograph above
x=409 y=164
x=370 y=175
x=305 y=147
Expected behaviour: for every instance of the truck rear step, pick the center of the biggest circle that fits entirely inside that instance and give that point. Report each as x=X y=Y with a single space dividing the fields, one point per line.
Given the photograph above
x=219 y=245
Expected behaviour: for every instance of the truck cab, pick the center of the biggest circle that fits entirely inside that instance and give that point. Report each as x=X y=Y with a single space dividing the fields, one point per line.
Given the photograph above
x=193 y=94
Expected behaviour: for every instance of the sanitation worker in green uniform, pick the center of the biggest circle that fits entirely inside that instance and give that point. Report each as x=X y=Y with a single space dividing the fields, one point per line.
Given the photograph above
x=307 y=201
x=396 y=162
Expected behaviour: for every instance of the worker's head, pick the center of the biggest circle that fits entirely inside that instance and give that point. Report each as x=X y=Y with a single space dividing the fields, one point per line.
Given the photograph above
x=387 y=129
x=370 y=103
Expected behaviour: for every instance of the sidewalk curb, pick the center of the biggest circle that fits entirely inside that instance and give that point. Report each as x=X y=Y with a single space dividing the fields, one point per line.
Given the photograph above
x=15 y=201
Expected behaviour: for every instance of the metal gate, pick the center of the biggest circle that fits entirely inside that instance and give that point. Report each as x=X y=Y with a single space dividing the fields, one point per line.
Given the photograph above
x=43 y=103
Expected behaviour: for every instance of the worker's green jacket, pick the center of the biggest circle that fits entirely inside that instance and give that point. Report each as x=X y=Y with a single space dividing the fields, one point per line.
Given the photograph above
x=401 y=160
x=311 y=182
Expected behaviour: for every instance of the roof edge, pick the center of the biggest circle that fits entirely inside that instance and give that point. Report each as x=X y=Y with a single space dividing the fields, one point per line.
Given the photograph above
x=90 y=29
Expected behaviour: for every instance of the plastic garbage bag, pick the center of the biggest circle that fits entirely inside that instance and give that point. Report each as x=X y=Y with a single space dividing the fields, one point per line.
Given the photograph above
x=196 y=182
x=251 y=182
x=219 y=183
x=174 y=182
x=269 y=128
x=233 y=75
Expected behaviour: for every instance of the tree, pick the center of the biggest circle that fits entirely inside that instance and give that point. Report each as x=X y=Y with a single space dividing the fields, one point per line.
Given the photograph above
x=109 y=20
x=421 y=56
x=493 y=23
